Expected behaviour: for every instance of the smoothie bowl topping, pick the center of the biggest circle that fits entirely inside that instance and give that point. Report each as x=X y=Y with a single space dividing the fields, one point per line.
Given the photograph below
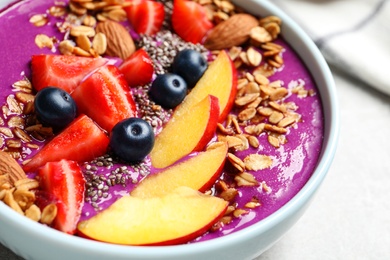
x=156 y=122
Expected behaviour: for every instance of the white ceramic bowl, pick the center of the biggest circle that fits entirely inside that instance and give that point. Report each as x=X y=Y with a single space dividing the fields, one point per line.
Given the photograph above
x=35 y=241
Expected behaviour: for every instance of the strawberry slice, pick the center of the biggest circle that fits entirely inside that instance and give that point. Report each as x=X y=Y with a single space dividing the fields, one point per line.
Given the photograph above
x=130 y=11
x=81 y=141
x=64 y=182
x=105 y=97
x=62 y=71
x=146 y=16
x=138 y=68
x=189 y=20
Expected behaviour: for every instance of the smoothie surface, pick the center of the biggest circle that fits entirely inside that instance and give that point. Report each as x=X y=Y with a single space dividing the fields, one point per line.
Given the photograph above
x=293 y=162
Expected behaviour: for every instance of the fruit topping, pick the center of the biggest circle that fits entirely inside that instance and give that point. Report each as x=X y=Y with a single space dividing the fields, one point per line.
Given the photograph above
x=105 y=97
x=219 y=80
x=132 y=139
x=189 y=21
x=189 y=64
x=109 y=151
x=63 y=181
x=81 y=141
x=54 y=107
x=146 y=16
x=168 y=90
x=138 y=68
x=176 y=217
x=188 y=130
x=199 y=172
x=62 y=71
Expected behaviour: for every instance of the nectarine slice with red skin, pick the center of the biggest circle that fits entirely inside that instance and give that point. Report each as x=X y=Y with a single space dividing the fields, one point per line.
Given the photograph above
x=219 y=80
x=186 y=132
x=199 y=172
x=174 y=218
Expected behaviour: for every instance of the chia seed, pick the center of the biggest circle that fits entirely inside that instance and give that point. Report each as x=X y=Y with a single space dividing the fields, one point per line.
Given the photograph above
x=163 y=47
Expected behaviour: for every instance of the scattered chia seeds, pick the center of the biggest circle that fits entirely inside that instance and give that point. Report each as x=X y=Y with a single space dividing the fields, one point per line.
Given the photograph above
x=99 y=181
x=163 y=47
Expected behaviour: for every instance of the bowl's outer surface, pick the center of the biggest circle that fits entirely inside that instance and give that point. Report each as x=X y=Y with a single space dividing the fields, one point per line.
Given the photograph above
x=34 y=241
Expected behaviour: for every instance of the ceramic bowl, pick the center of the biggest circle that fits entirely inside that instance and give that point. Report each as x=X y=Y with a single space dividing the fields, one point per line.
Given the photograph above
x=35 y=241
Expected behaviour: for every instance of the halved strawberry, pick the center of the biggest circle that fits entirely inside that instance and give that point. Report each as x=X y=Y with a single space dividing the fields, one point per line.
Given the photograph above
x=138 y=68
x=105 y=97
x=146 y=16
x=81 y=141
x=62 y=71
x=64 y=182
x=189 y=20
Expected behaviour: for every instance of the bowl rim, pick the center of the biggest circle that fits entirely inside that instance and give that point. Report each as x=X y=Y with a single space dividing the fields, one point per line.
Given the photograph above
x=303 y=44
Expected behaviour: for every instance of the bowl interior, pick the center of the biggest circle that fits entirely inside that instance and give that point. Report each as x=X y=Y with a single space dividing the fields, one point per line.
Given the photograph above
x=24 y=236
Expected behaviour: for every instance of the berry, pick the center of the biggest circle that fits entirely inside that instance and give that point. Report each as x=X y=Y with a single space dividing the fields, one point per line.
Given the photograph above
x=81 y=141
x=146 y=16
x=168 y=90
x=63 y=181
x=132 y=139
x=138 y=68
x=105 y=97
x=191 y=65
x=189 y=20
x=63 y=71
x=55 y=107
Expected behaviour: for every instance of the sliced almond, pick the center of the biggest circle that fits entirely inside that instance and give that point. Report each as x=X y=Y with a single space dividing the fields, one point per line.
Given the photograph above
x=43 y=41
x=76 y=31
x=99 y=43
x=33 y=213
x=254 y=57
x=10 y=201
x=255 y=162
x=260 y=35
x=9 y=166
x=48 y=214
x=83 y=42
x=39 y=20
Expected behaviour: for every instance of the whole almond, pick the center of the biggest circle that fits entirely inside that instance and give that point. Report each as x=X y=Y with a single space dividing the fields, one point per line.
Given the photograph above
x=119 y=42
x=9 y=166
x=231 y=32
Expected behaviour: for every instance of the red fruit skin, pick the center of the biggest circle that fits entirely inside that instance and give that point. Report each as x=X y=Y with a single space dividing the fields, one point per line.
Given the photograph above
x=81 y=141
x=146 y=16
x=232 y=96
x=189 y=21
x=138 y=68
x=64 y=181
x=62 y=71
x=130 y=11
x=105 y=97
x=211 y=126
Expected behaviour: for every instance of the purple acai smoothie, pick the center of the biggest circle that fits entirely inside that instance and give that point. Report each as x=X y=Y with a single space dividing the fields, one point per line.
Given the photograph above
x=293 y=161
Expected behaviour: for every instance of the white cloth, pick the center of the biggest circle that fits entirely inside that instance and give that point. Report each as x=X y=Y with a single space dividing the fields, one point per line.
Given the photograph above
x=353 y=35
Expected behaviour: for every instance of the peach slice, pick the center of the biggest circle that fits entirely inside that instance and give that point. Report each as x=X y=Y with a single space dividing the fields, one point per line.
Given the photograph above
x=219 y=80
x=199 y=173
x=187 y=131
x=174 y=218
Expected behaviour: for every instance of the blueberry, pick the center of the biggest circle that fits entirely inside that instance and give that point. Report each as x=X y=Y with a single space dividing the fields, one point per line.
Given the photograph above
x=168 y=90
x=189 y=64
x=132 y=139
x=55 y=107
